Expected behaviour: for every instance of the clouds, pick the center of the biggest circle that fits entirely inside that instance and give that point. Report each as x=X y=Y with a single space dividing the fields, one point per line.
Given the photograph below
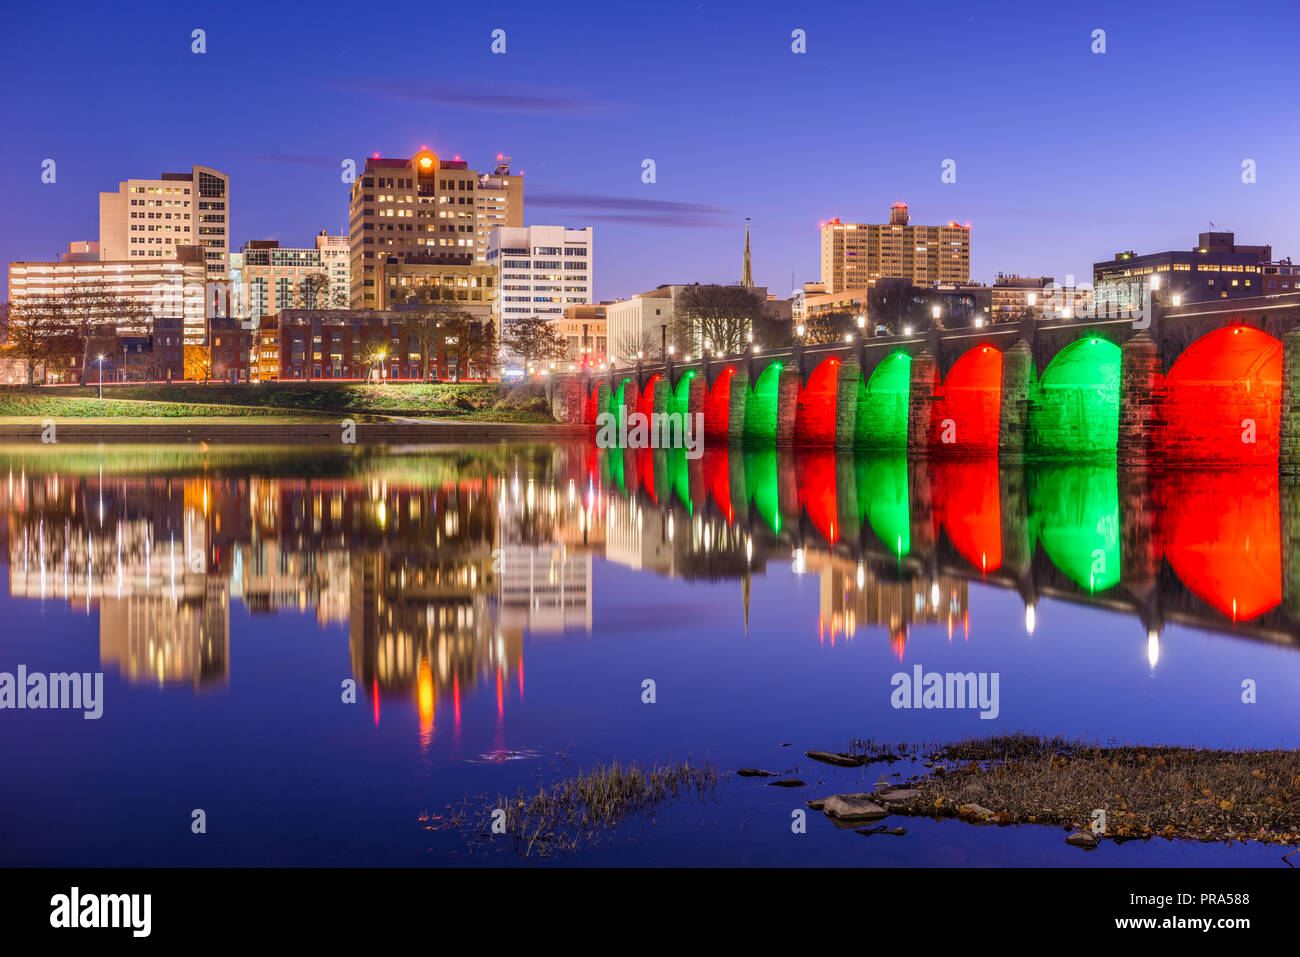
x=629 y=210
x=550 y=102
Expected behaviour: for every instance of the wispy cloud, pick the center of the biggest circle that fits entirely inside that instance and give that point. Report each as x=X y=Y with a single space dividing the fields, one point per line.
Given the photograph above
x=295 y=159
x=626 y=209
x=550 y=101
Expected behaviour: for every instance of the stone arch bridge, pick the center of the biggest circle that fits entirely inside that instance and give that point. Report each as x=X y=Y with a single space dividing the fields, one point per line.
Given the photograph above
x=1212 y=382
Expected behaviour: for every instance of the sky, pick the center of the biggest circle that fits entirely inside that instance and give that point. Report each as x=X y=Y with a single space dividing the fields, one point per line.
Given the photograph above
x=1063 y=156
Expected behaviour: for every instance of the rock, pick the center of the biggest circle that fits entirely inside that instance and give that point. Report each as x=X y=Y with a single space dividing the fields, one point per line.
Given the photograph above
x=817 y=804
x=975 y=811
x=755 y=773
x=786 y=783
x=853 y=807
x=839 y=760
x=881 y=829
x=1085 y=839
x=898 y=795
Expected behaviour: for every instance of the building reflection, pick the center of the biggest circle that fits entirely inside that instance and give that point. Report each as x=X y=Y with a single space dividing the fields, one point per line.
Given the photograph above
x=444 y=563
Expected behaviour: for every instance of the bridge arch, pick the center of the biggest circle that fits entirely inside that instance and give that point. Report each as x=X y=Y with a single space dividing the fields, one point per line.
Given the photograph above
x=646 y=400
x=882 y=399
x=679 y=399
x=761 y=407
x=814 y=422
x=965 y=417
x=1075 y=408
x=717 y=405
x=1223 y=398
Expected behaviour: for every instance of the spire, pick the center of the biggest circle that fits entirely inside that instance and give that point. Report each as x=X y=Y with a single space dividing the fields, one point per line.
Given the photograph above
x=747 y=274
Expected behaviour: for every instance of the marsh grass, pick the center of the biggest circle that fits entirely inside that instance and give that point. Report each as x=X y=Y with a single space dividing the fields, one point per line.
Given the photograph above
x=580 y=810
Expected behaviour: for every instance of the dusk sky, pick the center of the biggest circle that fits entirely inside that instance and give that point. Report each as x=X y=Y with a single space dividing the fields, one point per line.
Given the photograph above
x=1063 y=156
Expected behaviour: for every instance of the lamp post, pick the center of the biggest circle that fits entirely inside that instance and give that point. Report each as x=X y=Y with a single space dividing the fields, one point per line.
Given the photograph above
x=100 y=359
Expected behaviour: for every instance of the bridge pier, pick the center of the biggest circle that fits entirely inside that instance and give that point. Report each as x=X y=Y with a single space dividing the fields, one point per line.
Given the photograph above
x=1013 y=416
x=1289 y=500
x=1141 y=376
x=603 y=397
x=736 y=412
x=921 y=399
x=787 y=406
x=660 y=398
x=1289 y=438
x=846 y=403
x=566 y=395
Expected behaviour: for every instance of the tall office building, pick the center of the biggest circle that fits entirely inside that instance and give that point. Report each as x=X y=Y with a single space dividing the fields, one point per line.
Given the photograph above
x=276 y=278
x=855 y=255
x=541 y=270
x=426 y=206
x=148 y=218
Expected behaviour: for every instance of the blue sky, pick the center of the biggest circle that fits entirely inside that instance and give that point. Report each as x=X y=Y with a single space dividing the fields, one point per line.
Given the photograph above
x=1063 y=156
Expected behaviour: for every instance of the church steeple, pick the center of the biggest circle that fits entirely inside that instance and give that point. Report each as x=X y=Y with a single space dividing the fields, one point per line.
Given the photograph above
x=747 y=274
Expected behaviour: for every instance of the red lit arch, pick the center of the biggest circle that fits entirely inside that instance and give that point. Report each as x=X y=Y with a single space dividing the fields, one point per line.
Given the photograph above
x=814 y=423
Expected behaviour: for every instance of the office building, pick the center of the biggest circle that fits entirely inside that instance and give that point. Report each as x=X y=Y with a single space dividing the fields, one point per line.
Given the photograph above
x=425 y=205
x=855 y=255
x=276 y=278
x=541 y=270
x=149 y=218
x=140 y=290
x=1215 y=268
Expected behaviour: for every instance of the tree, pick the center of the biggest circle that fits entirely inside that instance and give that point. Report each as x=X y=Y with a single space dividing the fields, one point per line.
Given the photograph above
x=826 y=327
x=633 y=346
x=375 y=342
x=533 y=340
x=196 y=363
x=482 y=348
x=313 y=292
x=722 y=316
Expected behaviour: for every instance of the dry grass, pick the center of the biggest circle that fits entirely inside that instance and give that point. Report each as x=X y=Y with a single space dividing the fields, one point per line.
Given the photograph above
x=578 y=811
x=1171 y=792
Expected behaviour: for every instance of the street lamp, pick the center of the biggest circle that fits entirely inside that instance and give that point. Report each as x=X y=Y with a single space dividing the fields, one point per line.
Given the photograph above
x=100 y=359
x=799 y=330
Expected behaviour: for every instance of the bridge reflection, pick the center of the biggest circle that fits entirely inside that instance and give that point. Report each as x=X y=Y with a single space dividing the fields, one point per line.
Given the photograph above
x=1211 y=548
x=438 y=564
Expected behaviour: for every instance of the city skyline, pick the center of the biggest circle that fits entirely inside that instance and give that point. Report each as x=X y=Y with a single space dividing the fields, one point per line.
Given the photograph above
x=1051 y=161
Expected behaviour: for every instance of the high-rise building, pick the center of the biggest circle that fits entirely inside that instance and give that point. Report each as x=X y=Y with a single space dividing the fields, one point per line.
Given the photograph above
x=276 y=278
x=336 y=261
x=425 y=205
x=148 y=218
x=855 y=255
x=541 y=270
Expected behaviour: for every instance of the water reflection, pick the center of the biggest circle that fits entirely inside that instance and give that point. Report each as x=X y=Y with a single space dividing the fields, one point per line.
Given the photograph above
x=440 y=561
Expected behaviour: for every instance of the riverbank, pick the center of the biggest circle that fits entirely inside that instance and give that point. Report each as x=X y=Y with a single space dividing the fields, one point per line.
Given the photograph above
x=282 y=430
x=1117 y=793
x=522 y=403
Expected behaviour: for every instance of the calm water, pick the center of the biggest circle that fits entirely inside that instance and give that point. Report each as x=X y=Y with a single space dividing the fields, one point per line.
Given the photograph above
x=499 y=609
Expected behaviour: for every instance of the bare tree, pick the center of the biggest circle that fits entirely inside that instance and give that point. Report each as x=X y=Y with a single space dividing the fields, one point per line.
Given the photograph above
x=633 y=346
x=721 y=316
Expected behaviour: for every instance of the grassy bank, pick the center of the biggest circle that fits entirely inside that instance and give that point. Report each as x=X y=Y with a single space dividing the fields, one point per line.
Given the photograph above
x=484 y=402
x=1197 y=794
x=34 y=405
